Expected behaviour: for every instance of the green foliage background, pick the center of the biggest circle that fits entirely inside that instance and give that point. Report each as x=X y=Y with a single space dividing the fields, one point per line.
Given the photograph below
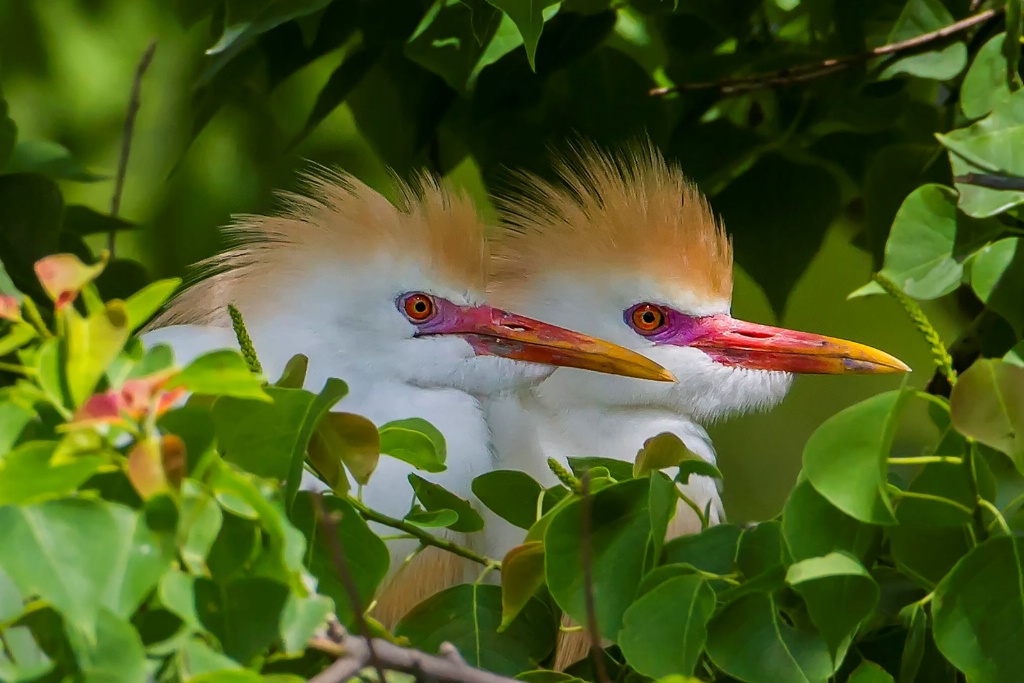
x=66 y=70
x=897 y=556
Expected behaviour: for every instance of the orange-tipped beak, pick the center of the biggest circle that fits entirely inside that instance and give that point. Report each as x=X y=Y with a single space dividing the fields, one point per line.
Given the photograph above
x=492 y=331
x=761 y=347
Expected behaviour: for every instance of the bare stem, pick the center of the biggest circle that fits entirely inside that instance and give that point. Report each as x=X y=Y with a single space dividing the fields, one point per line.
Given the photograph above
x=807 y=72
x=992 y=181
x=588 y=582
x=134 y=102
x=423 y=536
x=329 y=525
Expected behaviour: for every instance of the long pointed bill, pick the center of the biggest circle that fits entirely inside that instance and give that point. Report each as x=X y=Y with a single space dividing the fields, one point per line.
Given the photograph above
x=492 y=331
x=761 y=347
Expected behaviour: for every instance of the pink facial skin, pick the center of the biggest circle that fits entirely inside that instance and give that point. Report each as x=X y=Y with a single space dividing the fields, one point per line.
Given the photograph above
x=736 y=343
x=492 y=331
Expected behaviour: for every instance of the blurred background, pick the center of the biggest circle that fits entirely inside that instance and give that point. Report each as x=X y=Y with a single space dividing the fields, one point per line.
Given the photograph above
x=66 y=69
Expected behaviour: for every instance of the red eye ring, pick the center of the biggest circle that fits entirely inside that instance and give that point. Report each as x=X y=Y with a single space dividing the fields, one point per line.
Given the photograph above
x=418 y=307
x=647 y=318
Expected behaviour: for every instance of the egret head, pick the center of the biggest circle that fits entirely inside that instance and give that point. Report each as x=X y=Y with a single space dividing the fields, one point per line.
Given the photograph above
x=386 y=290
x=626 y=249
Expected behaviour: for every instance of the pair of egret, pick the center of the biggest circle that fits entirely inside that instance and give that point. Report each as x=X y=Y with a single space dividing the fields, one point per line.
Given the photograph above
x=390 y=298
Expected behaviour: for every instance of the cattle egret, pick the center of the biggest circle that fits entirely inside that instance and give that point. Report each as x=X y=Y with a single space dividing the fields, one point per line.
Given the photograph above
x=388 y=297
x=626 y=249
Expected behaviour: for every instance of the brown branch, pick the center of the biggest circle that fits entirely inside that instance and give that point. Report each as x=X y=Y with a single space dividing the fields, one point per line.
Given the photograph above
x=134 y=102
x=586 y=538
x=992 y=182
x=354 y=654
x=329 y=524
x=806 y=72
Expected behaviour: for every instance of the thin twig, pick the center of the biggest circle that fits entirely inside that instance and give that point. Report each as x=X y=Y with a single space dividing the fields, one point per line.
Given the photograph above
x=126 y=139
x=991 y=181
x=806 y=72
x=424 y=537
x=588 y=582
x=353 y=655
x=329 y=524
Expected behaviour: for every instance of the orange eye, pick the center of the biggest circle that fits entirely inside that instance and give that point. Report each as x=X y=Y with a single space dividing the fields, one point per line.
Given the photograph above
x=647 y=318
x=418 y=307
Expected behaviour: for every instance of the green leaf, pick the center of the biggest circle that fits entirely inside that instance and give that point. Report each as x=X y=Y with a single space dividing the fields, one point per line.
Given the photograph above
x=869 y=672
x=529 y=18
x=452 y=38
x=941 y=64
x=117 y=559
x=344 y=440
x=712 y=550
x=270 y=439
x=81 y=220
x=748 y=640
x=294 y=374
x=758 y=206
x=49 y=159
x=985 y=84
x=468 y=617
x=978 y=612
x=199 y=522
x=435 y=519
x=301 y=619
x=522 y=573
x=947 y=482
x=113 y=653
x=8 y=132
x=15 y=415
x=919 y=252
x=988 y=146
x=987 y=405
x=661 y=452
x=846 y=458
x=435 y=497
x=663 y=632
x=416 y=442
x=839 y=593
x=142 y=305
x=366 y=555
x=620 y=530
x=913 y=650
x=245 y=20
x=221 y=373
x=620 y=470
x=92 y=344
x=16 y=338
x=813 y=527
x=29 y=473
x=511 y=494
x=997 y=277
x=243 y=614
x=339 y=85
x=1011 y=40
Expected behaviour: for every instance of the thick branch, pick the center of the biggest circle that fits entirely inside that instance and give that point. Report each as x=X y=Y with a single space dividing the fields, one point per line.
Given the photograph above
x=354 y=654
x=423 y=536
x=134 y=102
x=991 y=181
x=806 y=72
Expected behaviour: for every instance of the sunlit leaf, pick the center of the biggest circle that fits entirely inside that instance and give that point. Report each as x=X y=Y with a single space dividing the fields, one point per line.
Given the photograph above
x=28 y=473
x=345 y=439
x=620 y=530
x=869 y=672
x=529 y=18
x=941 y=63
x=117 y=559
x=663 y=632
x=997 y=277
x=985 y=84
x=522 y=573
x=846 y=458
x=468 y=616
x=92 y=343
x=988 y=146
x=435 y=497
x=748 y=640
x=300 y=620
x=511 y=494
x=113 y=652
x=221 y=373
x=416 y=442
x=978 y=610
x=142 y=305
x=839 y=593
x=987 y=404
